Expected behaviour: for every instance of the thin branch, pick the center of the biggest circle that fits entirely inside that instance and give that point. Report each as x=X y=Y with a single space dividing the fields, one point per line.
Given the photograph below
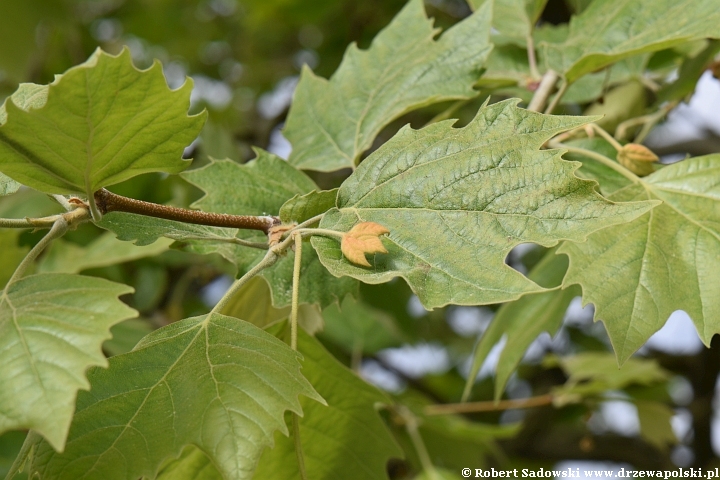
x=556 y=99
x=298 y=447
x=530 y=42
x=600 y=158
x=58 y=230
x=235 y=240
x=489 y=406
x=647 y=121
x=269 y=259
x=606 y=136
x=295 y=291
x=63 y=201
x=411 y=426
x=308 y=232
x=543 y=92
x=110 y=202
x=74 y=217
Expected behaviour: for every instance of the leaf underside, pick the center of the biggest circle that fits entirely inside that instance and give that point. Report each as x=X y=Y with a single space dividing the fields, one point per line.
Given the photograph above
x=638 y=273
x=457 y=200
x=332 y=122
x=212 y=381
x=52 y=327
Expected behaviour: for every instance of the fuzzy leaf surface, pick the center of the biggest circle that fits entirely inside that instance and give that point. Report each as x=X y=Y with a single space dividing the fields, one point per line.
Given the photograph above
x=100 y=123
x=52 y=327
x=346 y=439
x=332 y=122
x=212 y=381
x=637 y=274
x=457 y=200
x=523 y=320
x=7 y=185
x=611 y=30
x=261 y=187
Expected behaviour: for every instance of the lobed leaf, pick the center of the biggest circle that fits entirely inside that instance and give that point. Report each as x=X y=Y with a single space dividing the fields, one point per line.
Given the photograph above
x=51 y=329
x=457 y=200
x=332 y=122
x=213 y=381
x=611 y=30
x=637 y=274
x=98 y=124
x=304 y=207
x=344 y=439
x=513 y=19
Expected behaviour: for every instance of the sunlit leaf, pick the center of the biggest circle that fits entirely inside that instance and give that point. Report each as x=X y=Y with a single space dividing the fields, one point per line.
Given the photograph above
x=51 y=330
x=638 y=273
x=212 y=381
x=610 y=30
x=98 y=124
x=457 y=200
x=332 y=122
x=656 y=423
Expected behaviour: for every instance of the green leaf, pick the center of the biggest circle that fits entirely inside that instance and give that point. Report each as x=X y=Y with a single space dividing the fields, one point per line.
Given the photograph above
x=27 y=96
x=358 y=327
x=8 y=185
x=125 y=335
x=457 y=200
x=610 y=30
x=332 y=122
x=592 y=86
x=514 y=19
x=51 y=330
x=345 y=439
x=689 y=74
x=10 y=445
x=304 y=207
x=609 y=180
x=68 y=257
x=191 y=464
x=102 y=122
x=212 y=381
x=593 y=373
x=523 y=320
x=655 y=423
x=259 y=187
x=638 y=273
x=11 y=254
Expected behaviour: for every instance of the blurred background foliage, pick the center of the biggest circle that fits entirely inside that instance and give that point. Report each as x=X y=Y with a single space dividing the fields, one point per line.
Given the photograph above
x=244 y=57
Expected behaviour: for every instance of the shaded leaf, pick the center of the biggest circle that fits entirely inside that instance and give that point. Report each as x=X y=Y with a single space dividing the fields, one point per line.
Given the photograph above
x=655 y=423
x=11 y=254
x=10 y=445
x=332 y=122
x=638 y=273
x=689 y=74
x=97 y=127
x=191 y=464
x=523 y=320
x=303 y=207
x=7 y=185
x=513 y=19
x=51 y=330
x=457 y=200
x=68 y=257
x=125 y=335
x=611 y=30
x=346 y=439
x=609 y=180
x=212 y=381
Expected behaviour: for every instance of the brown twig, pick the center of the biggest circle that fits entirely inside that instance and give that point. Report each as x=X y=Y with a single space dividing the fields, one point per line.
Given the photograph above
x=110 y=202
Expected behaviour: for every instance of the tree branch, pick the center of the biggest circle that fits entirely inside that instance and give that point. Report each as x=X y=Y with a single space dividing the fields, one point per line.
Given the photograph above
x=110 y=202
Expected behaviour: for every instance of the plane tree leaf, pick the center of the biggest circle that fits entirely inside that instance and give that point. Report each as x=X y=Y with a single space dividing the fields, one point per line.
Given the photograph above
x=7 y=185
x=332 y=122
x=523 y=320
x=11 y=254
x=52 y=327
x=212 y=381
x=68 y=257
x=513 y=19
x=345 y=439
x=637 y=274
x=303 y=207
x=611 y=30
x=99 y=123
x=259 y=187
x=457 y=200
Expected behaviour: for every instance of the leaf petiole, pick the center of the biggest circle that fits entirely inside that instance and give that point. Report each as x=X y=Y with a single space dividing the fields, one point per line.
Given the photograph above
x=600 y=158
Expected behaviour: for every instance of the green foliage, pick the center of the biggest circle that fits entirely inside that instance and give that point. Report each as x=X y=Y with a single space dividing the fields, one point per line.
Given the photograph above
x=94 y=127
x=258 y=385
x=51 y=329
x=331 y=123
x=481 y=189
x=197 y=381
x=626 y=29
x=638 y=273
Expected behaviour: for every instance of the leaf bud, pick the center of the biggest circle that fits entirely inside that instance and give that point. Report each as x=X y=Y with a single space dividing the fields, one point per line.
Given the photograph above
x=637 y=158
